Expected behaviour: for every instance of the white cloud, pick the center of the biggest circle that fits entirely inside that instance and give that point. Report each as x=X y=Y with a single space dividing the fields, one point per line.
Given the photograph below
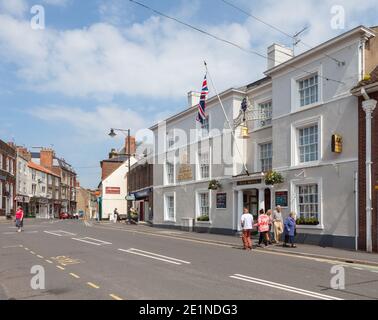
x=157 y=58
x=91 y=124
x=15 y=8
x=61 y=3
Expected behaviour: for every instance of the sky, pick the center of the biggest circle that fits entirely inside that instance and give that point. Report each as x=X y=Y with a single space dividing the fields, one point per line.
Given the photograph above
x=99 y=64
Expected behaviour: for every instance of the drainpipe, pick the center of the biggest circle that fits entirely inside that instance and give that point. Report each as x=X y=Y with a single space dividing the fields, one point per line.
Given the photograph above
x=356 y=198
x=369 y=106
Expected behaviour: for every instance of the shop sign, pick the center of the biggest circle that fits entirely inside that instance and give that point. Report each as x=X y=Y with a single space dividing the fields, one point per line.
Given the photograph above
x=282 y=198
x=221 y=200
x=249 y=182
x=185 y=169
x=113 y=190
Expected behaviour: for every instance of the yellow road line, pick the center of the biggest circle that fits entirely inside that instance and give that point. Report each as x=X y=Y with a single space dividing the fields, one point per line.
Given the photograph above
x=93 y=285
x=49 y=261
x=74 y=275
x=41 y=257
x=115 y=297
x=61 y=268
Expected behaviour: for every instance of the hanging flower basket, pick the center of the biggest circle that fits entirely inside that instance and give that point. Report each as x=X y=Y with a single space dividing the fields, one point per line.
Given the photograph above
x=214 y=185
x=273 y=177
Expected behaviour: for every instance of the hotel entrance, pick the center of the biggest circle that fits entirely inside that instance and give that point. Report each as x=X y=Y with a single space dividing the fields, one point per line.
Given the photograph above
x=254 y=195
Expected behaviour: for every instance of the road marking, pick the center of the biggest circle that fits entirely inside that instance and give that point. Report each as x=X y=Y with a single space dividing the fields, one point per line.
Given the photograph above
x=49 y=261
x=74 y=275
x=15 y=232
x=32 y=252
x=154 y=256
x=9 y=247
x=60 y=233
x=93 y=285
x=284 y=287
x=40 y=256
x=61 y=268
x=94 y=241
x=27 y=249
x=115 y=297
x=64 y=260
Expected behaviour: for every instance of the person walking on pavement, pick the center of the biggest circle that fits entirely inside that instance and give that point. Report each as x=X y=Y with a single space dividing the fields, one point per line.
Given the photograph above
x=115 y=215
x=263 y=228
x=247 y=226
x=290 y=229
x=270 y=235
x=277 y=224
x=19 y=219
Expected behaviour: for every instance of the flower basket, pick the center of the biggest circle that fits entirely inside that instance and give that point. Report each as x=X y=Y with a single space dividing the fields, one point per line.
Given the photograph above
x=307 y=221
x=203 y=218
x=214 y=185
x=273 y=177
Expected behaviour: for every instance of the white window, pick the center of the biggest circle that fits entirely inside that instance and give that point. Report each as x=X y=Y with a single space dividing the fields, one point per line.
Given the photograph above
x=170 y=212
x=34 y=189
x=34 y=176
x=1 y=162
x=266 y=113
x=205 y=126
x=204 y=165
x=266 y=155
x=308 y=201
x=203 y=204
x=170 y=172
x=1 y=192
x=308 y=90
x=308 y=144
x=7 y=165
x=11 y=167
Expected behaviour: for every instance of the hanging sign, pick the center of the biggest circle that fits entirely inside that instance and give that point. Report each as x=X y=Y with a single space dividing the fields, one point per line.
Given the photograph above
x=337 y=143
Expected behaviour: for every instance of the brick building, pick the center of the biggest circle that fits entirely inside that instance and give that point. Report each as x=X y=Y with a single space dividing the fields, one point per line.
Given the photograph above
x=141 y=186
x=8 y=157
x=367 y=92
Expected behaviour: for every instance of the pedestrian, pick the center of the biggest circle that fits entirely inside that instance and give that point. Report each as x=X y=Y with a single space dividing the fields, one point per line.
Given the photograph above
x=115 y=215
x=290 y=230
x=277 y=224
x=263 y=228
x=19 y=219
x=247 y=226
x=269 y=213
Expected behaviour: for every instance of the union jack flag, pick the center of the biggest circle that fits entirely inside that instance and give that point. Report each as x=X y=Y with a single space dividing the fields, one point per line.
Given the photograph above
x=201 y=117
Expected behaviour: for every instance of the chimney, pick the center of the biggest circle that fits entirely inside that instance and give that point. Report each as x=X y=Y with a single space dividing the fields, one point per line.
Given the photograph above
x=112 y=153
x=278 y=54
x=24 y=153
x=132 y=145
x=193 y=98
x=46 y=158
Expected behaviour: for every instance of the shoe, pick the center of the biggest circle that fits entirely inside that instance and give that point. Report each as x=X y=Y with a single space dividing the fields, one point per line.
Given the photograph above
x=285 y=245
x=19 y=230
x=293 y=246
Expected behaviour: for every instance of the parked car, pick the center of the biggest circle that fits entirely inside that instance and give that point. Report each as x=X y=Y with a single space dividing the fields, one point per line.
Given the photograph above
x=64 y=216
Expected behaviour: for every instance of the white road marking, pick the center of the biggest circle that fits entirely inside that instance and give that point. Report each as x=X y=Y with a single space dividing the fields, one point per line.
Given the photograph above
x=39 y=256
x=96 y=242
x=8 y=247
x=60 y=233
x=115 y=297
x=154 y=256
x=93 y=285
x=49 y=261
x=74 y=275
x=15 y=232
x=284 y=287
x=61 y=268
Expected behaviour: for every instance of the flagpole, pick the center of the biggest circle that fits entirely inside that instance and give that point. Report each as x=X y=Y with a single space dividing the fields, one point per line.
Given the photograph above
x=227 y=119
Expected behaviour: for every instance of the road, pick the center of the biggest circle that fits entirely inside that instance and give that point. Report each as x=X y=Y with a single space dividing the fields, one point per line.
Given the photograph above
x=101 y=262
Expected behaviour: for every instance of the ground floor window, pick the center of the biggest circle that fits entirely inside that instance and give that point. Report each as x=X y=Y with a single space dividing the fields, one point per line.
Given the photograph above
x=170 y=207
x=203 y=204
x=308 y=201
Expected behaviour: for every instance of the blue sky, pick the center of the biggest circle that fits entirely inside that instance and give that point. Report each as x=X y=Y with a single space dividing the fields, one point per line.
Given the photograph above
x=109 y=63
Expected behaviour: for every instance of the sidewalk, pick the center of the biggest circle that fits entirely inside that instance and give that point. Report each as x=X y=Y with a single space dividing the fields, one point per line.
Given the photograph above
x=328 y=253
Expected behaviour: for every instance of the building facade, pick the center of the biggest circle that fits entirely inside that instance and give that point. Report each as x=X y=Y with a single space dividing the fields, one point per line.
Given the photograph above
x=65 y=187
x=23 y=179
x=8 y=157
x=86 y=202
x=295 y=118
x=141 y=186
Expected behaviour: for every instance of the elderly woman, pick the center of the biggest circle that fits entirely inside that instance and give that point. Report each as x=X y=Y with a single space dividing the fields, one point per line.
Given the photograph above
x=289 y=230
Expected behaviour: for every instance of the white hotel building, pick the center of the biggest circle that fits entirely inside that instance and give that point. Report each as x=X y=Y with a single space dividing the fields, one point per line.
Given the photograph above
x=306 y=100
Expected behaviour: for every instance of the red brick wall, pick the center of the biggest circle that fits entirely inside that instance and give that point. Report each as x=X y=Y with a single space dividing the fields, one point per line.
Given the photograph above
x=362 y=175
x=108 y=168
x=46 y=158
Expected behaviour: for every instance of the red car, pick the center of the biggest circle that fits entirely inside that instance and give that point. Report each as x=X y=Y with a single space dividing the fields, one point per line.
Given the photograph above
x=64 y=216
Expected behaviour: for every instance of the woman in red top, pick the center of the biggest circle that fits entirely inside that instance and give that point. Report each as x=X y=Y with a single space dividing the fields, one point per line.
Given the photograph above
x=19 y=219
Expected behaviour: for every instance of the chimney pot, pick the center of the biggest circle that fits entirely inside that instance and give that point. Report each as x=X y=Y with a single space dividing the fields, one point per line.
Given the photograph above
x=278 y=54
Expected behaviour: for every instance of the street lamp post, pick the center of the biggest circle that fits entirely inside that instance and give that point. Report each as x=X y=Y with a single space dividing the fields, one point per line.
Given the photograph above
x=128 y=154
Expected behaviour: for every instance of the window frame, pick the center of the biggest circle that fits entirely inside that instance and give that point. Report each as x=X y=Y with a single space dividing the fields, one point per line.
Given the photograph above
x=265 y=159
x=200 y=165
x=200 y=192
x=166 y=213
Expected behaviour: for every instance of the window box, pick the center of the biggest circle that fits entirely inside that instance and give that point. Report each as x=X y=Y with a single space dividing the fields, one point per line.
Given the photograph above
x=308 y=221
x=203 y=219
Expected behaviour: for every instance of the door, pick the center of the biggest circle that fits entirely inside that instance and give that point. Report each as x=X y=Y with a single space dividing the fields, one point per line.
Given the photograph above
x=267 y=199
x=141 y=210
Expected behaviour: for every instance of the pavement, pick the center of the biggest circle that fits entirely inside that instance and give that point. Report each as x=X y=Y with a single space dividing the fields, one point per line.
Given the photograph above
x=91 y=261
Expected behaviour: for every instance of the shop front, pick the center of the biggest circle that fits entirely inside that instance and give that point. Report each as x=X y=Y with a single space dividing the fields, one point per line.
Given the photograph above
x=23 y=202
x=144 y=204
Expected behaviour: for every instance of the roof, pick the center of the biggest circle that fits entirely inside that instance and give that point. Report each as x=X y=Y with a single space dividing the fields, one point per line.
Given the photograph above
x=57 y=162
x=373 y=79
x=358 y=30
x=37 y=167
